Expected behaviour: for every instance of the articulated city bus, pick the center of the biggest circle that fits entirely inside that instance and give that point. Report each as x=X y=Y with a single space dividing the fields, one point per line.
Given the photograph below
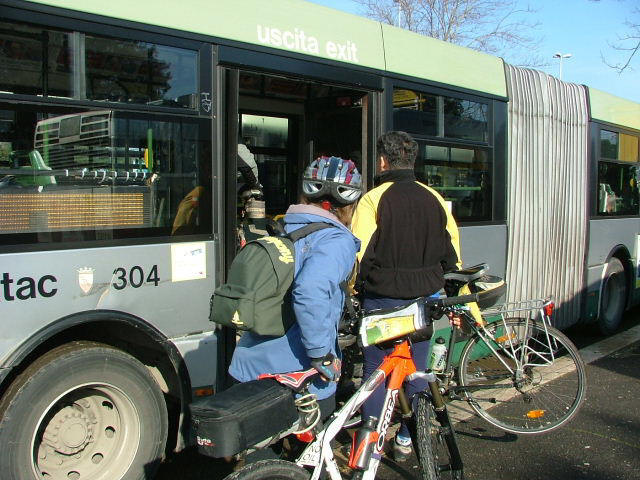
x=119 y=131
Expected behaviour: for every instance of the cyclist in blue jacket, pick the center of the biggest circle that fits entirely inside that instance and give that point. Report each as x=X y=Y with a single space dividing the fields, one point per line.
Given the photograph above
x=324 y=259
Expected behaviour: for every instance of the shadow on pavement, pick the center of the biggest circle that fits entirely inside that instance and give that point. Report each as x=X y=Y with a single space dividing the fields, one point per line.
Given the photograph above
x=190 y=465
x=483 y=433
x=400 y=472
x=584 y=335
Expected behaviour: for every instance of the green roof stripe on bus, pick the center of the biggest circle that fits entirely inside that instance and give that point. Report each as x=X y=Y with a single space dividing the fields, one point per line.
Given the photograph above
x=291 y=25
x=420 y=56
x=307 y=28
x=609 y=108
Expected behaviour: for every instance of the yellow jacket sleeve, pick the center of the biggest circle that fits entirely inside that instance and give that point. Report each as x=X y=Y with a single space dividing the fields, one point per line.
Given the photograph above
x=363 y=224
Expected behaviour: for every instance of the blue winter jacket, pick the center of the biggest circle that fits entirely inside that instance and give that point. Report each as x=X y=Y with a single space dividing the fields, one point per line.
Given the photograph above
x=323 y=260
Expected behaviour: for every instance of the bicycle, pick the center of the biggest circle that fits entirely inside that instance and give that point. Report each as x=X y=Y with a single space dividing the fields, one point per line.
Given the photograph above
x=319 y=454
x=535 y=369
x=514 y=348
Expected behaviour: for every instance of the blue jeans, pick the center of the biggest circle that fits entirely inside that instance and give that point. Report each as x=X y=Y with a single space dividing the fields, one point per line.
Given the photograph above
x=373 y=357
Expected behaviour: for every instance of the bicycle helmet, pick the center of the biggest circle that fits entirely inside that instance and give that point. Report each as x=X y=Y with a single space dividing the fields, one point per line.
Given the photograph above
x=334 y=178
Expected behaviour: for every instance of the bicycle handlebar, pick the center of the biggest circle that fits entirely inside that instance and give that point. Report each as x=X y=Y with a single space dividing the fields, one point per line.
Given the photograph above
x=350 y=320
x=487 y=295
x=459 y=300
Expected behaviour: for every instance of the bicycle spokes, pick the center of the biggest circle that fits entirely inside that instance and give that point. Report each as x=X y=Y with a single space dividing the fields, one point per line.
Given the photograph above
x=531 y=382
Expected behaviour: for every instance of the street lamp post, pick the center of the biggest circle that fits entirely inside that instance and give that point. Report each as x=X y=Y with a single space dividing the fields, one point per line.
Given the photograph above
x=561 y=56
x=398 y=16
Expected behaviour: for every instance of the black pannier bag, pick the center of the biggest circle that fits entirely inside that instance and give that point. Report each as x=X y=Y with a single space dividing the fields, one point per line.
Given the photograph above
x=242 y=416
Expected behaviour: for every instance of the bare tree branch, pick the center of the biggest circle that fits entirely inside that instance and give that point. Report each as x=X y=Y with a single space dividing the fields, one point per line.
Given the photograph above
x=628 y=44
x=497 y=27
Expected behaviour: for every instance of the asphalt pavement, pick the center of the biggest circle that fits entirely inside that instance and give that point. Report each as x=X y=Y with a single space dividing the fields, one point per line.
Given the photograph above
x=601 y=443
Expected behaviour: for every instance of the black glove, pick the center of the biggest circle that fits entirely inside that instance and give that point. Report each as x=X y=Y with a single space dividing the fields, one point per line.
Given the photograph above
x=328 y=367
x=452 y=288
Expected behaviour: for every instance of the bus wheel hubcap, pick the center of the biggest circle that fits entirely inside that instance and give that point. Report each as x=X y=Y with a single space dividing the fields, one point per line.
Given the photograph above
x=71 y=429
x=88 y=433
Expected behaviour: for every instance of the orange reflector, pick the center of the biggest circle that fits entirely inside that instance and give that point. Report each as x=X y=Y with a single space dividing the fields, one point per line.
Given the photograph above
x=505 y=338
x=202 y=392
x=548 y=309
x=306 y=437
x=535 y=413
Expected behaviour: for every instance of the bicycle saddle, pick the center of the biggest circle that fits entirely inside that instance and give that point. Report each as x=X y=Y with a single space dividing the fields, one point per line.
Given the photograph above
x=468 y=274
x=296 y=381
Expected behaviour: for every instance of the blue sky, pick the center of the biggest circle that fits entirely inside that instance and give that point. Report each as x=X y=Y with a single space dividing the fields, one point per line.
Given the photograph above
x=581 y=28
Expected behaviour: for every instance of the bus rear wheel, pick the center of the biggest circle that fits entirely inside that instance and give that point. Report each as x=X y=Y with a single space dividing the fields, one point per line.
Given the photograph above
x=614 y=297
x=83 y=411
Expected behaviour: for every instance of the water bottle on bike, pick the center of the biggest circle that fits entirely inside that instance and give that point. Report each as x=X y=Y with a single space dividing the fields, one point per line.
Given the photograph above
x=438 y=355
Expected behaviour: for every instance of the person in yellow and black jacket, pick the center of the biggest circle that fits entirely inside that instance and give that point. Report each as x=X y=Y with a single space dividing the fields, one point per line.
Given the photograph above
x=408 y=240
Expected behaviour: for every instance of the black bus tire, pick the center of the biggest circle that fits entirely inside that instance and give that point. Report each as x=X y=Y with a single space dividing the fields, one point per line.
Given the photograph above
x=614 y=297
x=83 y=410
x=270 y=470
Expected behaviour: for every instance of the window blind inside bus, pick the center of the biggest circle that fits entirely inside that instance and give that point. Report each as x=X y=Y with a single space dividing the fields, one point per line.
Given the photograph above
x=73 y=210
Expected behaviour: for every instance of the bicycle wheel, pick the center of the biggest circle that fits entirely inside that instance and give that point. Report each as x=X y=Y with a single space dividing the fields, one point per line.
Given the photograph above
x=535 y=381
x=433 y=454
x=270 y=470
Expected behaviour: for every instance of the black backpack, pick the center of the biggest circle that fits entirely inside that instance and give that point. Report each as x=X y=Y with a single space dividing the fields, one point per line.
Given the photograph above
x=257 y=294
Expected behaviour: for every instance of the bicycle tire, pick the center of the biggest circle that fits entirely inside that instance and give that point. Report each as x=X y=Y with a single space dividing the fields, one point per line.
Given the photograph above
x=550 y=390
x=432 y=451
x=270 y=470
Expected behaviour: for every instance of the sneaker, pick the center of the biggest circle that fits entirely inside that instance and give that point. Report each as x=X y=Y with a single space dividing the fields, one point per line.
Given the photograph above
x=401 y=452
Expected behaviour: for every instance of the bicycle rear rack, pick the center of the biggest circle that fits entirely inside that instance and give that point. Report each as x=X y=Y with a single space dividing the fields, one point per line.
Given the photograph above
x=532 y=308
x=543 y=351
